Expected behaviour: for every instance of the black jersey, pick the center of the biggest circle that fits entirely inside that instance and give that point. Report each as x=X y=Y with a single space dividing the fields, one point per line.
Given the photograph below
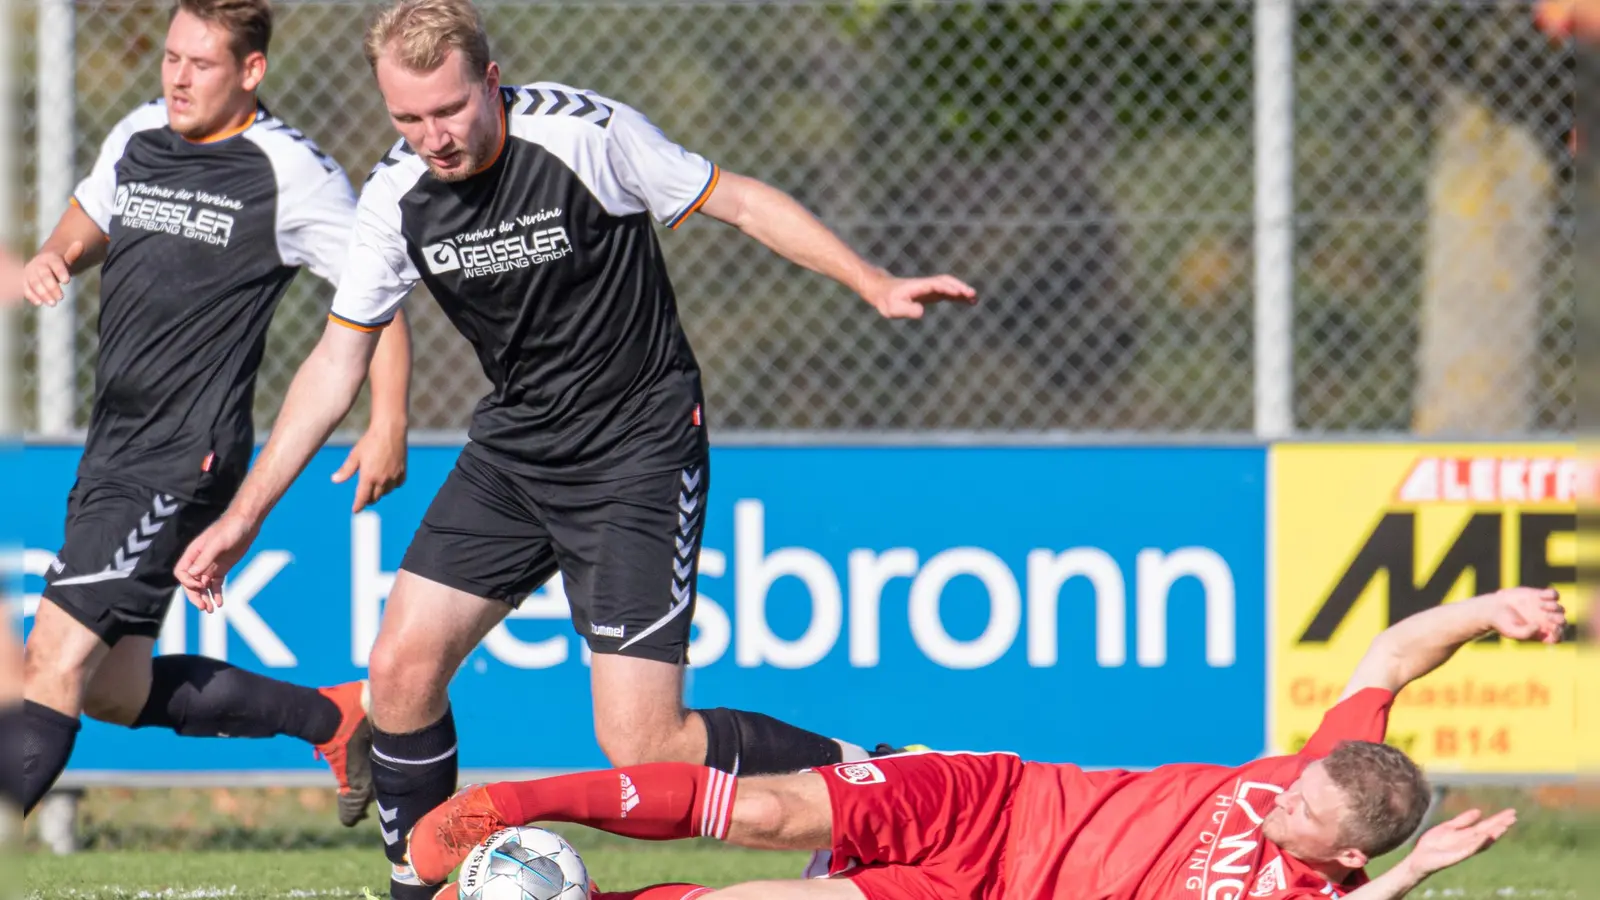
x=548 y=263
x=204 y=239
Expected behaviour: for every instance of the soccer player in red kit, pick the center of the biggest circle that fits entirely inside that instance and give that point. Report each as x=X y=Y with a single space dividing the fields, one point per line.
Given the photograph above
x=990 y=826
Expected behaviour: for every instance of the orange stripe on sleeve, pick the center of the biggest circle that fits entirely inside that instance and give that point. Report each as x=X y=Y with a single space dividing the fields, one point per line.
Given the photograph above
x=357 y=326
x=716 y=175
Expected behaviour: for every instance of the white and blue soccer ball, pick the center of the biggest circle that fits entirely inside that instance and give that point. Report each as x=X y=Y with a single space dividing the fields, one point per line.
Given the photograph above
x=523 y=863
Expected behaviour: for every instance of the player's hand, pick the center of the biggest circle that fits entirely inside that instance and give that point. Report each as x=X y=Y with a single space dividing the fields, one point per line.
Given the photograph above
x=1568 y=18
x=380 y=457
x=44 y=275
x=906 y=298
x=1448 y=843
x=1527 y=614
x=206 y=561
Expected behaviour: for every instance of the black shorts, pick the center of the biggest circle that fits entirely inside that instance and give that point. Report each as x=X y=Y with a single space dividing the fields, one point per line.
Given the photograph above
x=628 y=550
x=114 y=572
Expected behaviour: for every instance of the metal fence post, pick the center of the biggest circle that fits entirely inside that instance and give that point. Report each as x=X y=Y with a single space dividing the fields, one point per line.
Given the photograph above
x=1274 y=218
x=56 y=142
x=10 y=208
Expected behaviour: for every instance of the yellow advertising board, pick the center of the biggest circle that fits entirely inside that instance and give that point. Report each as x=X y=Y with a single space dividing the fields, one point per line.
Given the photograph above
x=1365 y=535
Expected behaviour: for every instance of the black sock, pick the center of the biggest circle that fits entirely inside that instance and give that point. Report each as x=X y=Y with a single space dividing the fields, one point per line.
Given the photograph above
x=198 y=696
x=746 y=743
x=11 y=726
x=47 y=739
x=413 y=773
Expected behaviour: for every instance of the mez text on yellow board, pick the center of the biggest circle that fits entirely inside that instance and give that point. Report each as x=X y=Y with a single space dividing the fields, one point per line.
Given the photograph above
x=1366 y=535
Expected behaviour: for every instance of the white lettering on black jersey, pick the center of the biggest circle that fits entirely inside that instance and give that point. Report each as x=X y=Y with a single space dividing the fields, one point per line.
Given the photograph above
x=548 y=263
x=204 y=240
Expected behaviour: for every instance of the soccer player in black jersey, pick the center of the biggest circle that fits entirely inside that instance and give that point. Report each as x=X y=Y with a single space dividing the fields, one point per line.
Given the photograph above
x=527 y=212
x=203 y=207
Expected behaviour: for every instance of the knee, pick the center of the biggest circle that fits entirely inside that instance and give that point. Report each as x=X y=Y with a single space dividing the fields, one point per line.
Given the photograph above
x=760 y=813
x=107 y=704
x=404 y=682
x=395 y=670
x=649 y=733
x=782 y=812
x=637 y=743
x=46 y=664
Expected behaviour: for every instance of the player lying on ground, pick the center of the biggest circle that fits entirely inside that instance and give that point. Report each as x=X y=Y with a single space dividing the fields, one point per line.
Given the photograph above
x=527 y=213
x=988 y=825
x=204 y=208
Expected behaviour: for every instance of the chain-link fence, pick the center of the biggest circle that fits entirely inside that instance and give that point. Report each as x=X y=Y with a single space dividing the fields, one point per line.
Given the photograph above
x=1090 y=167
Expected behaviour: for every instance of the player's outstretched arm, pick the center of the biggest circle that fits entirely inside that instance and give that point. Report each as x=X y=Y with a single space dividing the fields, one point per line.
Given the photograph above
x=1421 y=643
x=380 y=454
x=321 y=395
x=76 y=244
x=791 y=231
x=1440 y=847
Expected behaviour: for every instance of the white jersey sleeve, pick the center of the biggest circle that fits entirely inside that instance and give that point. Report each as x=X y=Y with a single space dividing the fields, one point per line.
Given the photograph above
x=96 y=194
x=627 y=163
x=670 y=181
x=316 y=207
x=378 y=272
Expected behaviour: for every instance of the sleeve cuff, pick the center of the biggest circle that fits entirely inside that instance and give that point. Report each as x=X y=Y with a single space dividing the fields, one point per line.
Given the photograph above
x=700 y=200
x=364 y=327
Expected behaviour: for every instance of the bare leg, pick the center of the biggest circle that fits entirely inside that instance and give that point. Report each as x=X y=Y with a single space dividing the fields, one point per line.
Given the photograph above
x=120 y=686
x=639 y=716
x=427 y=630
x=59 y=658
x=782 y=812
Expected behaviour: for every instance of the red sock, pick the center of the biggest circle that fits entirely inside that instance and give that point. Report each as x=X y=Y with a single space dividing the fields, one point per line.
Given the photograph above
x=652 y=802
x=657 y=892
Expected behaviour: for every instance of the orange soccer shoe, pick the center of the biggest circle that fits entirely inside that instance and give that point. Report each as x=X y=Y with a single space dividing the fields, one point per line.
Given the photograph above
x=449 y=831
x=348 y=753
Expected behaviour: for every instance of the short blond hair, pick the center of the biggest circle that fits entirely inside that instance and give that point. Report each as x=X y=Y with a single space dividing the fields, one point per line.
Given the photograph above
x=419 y=34
x=1387 y=793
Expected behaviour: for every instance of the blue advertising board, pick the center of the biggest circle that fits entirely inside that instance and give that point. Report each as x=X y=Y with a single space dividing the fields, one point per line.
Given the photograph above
x=1103 y=606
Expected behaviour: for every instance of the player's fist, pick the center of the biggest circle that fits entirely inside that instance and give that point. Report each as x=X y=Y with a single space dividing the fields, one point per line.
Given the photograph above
x=206 y=561
x=44 y=275
x=1529 y=614
x=905 y=298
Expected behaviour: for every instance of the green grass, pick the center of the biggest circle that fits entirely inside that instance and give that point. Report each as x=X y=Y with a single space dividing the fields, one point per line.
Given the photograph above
x=149 y=845
x=258 y=875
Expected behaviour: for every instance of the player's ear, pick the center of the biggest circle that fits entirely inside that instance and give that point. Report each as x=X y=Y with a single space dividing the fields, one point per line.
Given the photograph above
x=491 y=77
x=1351 y=858
x=253 y=68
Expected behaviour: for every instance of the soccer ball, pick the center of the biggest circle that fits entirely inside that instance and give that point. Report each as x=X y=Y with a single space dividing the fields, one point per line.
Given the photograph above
x=524 y=863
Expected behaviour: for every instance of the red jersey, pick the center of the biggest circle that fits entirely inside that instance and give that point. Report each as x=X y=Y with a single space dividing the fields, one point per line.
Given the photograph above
x=1179 y=832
